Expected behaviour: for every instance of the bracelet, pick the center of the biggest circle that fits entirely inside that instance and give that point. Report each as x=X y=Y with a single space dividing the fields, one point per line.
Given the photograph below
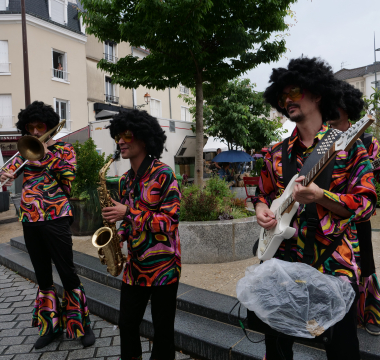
x=127 y=211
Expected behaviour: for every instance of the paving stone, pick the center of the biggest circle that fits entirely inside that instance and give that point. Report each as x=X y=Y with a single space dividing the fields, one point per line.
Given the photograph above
x=116 y=341
x=14 y=298
x=108 y=351
x=23 y=286
x=51 y=347
x=29 y=292
x=31 y=339
x=34 y=356
x=6 y=311
x=30 y=331
x=100 y=342
x=2 y=348
x=7 y=325
x=94 y=318
x=14 y=340
x=30 y=297
x=4 y=305
x=102 y=324
x=71 y=345
x=22 y=310
x=81 y=354
x=180 y=356
x=2 y=299
x=24 y=324
x=110 y=332
x=7 y=317
x=56 y=355
x=23 y=317
x=113 y=358
x=6 y=357
x=20 y=304
x=19 y=349
x=5 y=281
x=146 y=356
x=11 y=293
x=2 y=277
x=10 y=332
x=5 y=286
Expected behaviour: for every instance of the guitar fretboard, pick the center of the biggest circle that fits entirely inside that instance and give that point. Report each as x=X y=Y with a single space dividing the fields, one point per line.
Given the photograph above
x=375 y=164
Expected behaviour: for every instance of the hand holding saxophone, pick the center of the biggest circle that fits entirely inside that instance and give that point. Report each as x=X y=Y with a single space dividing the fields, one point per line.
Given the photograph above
x=116 y=212
x=7 y=176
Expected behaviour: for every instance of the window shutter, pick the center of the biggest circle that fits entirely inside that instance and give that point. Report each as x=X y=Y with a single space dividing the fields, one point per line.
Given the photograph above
x=4 y=62
x=362 y=86
x=6 y=111
x=57 y=11
x=3 y=5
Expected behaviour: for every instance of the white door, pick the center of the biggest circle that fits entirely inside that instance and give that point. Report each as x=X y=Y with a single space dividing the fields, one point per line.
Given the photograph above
x=6 y=111
x=4 y=62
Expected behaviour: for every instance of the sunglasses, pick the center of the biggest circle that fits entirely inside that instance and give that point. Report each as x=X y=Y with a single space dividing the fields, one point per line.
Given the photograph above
x=295 y=94
x=40 y=127
x=127 y=136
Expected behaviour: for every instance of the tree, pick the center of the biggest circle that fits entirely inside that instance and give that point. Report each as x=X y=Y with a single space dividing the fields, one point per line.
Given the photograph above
x=237 y=116
x=372 y=106
x=190 y=42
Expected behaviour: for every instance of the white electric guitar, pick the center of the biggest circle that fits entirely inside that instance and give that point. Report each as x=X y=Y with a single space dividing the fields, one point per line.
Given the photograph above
x=285 y=207
x=375 y=164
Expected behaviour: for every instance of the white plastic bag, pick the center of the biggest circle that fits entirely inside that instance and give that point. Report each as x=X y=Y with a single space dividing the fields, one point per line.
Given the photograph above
x=294 y=298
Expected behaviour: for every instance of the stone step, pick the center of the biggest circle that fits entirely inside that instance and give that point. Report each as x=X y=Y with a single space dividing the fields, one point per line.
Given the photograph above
x=195 y=335
x=190 y=299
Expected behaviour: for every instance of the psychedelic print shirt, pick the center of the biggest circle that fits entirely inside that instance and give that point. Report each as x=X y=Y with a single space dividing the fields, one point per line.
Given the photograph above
x=42 y=198
x=151 y=227
x=352 y=186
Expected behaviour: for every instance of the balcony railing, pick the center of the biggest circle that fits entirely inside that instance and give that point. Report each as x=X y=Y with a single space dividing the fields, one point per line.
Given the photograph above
x=5 y=67
x=110 y=58
x=112 y=99
x=7 y=122
x=60 y=74
x=184 y=90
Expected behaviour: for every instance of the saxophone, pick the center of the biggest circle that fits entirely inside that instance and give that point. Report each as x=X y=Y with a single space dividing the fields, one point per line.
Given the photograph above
x=106 y=239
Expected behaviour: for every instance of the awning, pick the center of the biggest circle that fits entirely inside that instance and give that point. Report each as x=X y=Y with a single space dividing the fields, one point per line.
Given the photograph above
x=188 y=146
x=105 y=114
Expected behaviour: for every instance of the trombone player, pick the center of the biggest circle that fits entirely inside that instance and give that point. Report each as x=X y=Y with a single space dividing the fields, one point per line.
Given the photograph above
x=46 y=215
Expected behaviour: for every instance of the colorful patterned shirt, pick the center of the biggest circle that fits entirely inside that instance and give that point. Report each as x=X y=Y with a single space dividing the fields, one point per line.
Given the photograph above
x=42 y=198
x=352 y=186
x=151 y=227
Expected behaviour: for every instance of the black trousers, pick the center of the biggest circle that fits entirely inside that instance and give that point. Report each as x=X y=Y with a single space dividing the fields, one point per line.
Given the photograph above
x=367 y=262
x=344 y=344
x=133 y=302
x=51 y=240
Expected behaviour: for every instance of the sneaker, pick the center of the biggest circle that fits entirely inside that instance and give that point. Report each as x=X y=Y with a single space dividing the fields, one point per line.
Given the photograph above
x=44 y=341
x=88 y=338
x=373 y=329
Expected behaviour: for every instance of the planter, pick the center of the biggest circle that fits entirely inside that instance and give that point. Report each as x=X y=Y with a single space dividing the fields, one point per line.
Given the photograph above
x=87 y=217
x=212 y=242
x=240 y=191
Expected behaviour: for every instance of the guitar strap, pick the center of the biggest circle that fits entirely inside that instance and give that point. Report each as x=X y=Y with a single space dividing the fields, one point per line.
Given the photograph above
x=289 y=169
x=366 y=139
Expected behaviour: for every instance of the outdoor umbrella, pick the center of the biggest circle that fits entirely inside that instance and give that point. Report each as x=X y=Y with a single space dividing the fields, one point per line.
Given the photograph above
x=233 y=156
x=256 y=156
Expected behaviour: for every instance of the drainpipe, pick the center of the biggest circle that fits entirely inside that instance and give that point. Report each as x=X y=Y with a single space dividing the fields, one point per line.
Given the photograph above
x=133 y=89
x=170 y=104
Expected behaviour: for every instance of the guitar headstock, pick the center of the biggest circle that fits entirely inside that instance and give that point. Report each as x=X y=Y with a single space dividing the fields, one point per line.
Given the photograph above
x=349 y=137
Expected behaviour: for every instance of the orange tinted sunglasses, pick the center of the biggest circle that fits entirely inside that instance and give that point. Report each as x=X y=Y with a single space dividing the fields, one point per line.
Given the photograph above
x=40 y=127
x=295 y=94
x=127 y=136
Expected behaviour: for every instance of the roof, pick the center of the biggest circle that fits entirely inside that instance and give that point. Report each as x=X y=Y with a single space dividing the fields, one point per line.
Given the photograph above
x=345 y=74
x=40 y=9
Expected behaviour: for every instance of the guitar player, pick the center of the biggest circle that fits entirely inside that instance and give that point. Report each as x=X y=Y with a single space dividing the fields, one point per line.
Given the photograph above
x=307 y=93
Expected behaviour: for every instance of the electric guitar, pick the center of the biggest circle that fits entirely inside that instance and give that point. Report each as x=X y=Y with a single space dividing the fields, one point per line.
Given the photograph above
x=285 y=207
x=375 y=164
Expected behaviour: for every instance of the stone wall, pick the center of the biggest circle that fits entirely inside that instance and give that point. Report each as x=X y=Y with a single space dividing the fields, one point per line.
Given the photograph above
x=211 y=242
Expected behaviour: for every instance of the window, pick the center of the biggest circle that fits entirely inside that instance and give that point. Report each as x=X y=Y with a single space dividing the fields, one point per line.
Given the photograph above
x=59 y=63
x=110 y=91
x=58 y=11
x=184 y=90
x=185 y=114
x=6 y=118
x=155 y=107
x=3 y=5
x=110 y=51
x=359 y=85
x=62 y=108
x=4 y=62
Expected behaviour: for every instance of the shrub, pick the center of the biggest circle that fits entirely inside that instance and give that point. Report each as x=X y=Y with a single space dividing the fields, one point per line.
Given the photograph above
x=377 y=186
x=198 y=206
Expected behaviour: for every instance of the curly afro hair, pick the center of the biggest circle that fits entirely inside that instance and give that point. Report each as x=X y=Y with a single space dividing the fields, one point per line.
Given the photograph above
x=144 y=127
x=37 y=111
x=351 y=101
x=313 y=75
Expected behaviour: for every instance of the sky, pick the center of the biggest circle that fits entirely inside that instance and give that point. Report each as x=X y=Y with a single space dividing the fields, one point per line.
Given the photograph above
x=335 y=30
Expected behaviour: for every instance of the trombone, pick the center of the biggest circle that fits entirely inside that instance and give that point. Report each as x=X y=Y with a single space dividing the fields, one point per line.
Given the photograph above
x=32 y=148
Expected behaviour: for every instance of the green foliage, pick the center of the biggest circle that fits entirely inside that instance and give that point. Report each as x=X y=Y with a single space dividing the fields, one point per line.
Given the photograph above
x=377 y=186
x=256 y=171
x=238 y=104
x=372 y=106
x=89 y=163
x=207 y=204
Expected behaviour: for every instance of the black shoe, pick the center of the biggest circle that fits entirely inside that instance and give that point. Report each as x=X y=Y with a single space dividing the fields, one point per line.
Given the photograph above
x=373 y=329
x=88 y=338
x=44 y=341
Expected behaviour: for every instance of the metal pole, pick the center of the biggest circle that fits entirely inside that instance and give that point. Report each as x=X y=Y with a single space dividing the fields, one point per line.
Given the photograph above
x=25 y=55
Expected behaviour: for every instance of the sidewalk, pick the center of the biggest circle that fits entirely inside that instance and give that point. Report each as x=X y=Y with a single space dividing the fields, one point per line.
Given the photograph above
x=17 y=337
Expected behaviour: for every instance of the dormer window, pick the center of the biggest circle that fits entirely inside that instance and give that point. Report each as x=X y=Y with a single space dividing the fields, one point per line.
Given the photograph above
x=58 y=11
x=110 y=51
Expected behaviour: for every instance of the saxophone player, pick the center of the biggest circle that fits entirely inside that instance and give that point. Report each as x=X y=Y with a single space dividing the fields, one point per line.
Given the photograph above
x=149 y=208
x=45 y=214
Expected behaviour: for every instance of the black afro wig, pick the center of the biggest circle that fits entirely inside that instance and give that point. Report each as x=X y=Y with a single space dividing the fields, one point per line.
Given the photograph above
x=313 y=75
x=37 y=111
x=144 y=127
x=351 y=101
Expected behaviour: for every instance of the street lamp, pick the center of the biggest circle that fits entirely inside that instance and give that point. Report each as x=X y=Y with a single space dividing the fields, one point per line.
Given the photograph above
x=147 y=97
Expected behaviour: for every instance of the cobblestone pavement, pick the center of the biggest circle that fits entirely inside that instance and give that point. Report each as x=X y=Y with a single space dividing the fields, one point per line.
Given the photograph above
x=17 y=337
